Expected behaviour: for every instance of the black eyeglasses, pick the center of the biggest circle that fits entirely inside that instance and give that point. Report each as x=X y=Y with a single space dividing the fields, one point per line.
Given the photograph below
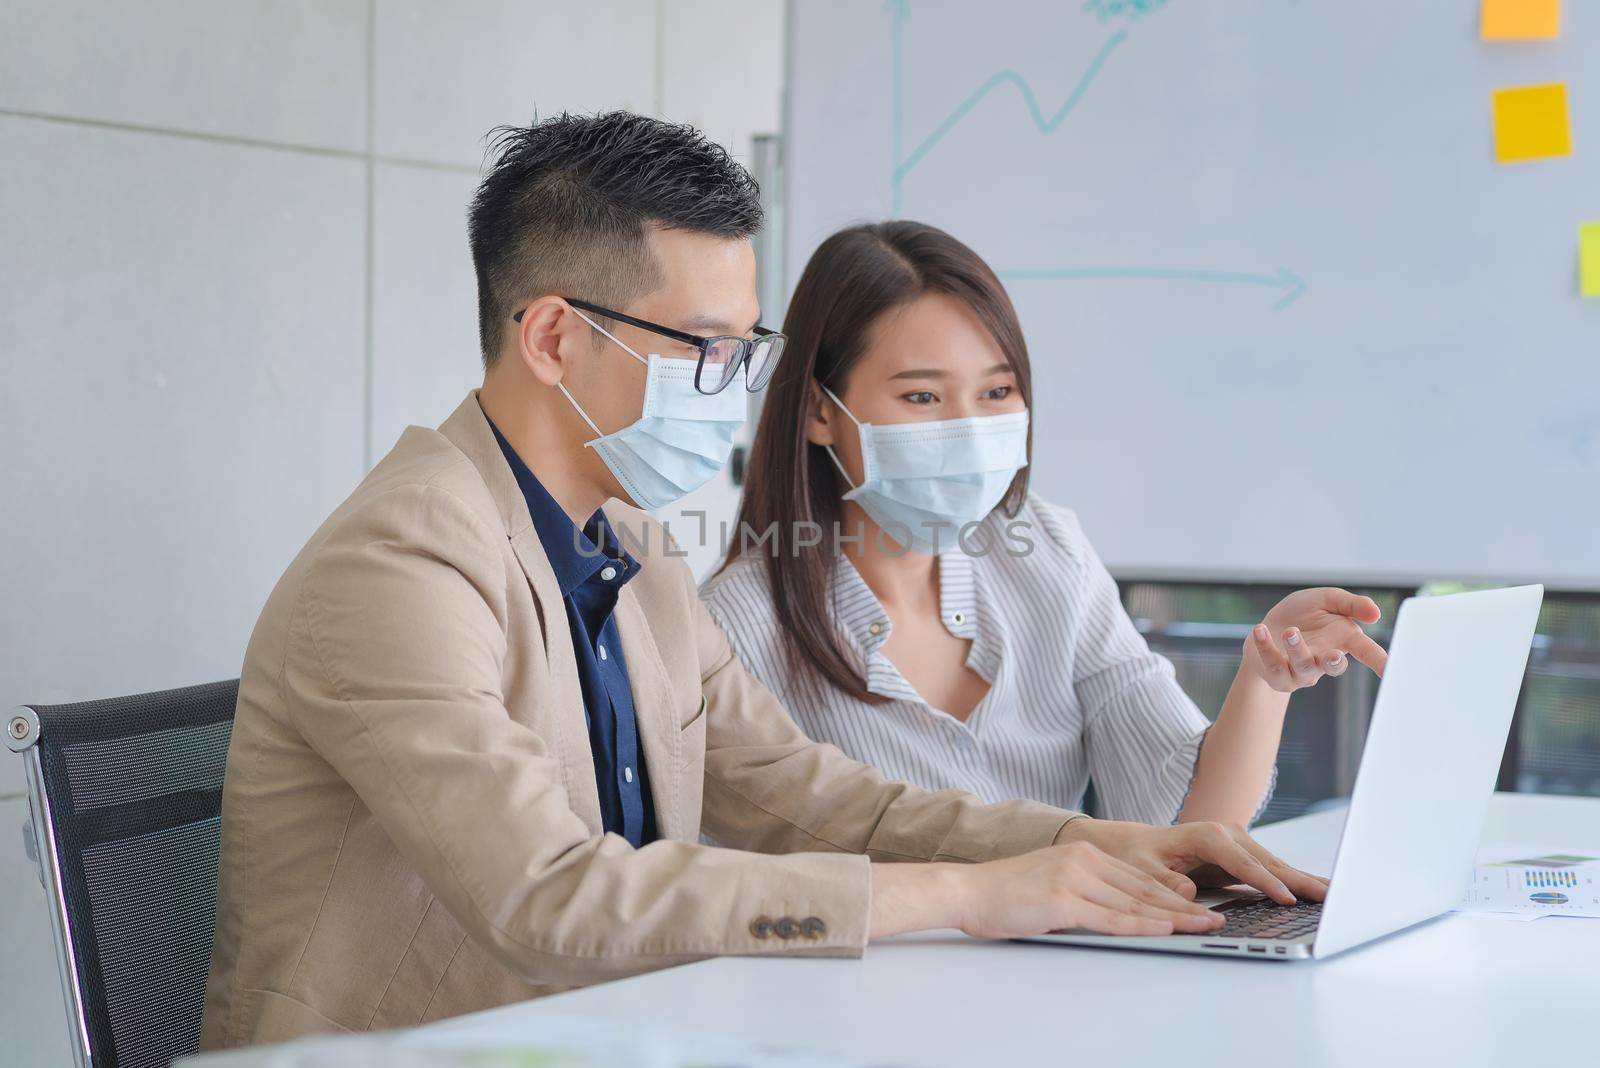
x=720 y=357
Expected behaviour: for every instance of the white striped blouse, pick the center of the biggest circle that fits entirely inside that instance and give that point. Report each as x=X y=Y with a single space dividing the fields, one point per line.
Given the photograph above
x=1075 y=693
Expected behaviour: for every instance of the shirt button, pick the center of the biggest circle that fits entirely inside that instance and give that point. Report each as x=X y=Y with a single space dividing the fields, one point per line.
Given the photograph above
x=876 y=628
x=627 y=774
x=602 y=651
x=608 y=573
x=958 y=618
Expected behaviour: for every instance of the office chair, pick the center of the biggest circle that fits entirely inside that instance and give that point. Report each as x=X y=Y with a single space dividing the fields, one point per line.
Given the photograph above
x=125 y=797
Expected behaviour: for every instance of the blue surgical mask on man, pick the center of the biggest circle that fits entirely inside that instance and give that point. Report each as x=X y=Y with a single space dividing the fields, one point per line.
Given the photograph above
x=682 y=437
x=922 y=482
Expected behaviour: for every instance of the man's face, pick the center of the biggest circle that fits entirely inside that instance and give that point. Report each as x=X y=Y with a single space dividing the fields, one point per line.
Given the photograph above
x=708 y=288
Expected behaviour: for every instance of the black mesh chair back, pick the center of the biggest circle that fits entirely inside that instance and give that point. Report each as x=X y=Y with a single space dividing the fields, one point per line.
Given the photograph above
x=126 y=796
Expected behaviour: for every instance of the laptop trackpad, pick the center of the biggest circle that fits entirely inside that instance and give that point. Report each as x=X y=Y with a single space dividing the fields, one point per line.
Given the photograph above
x=1227 y=895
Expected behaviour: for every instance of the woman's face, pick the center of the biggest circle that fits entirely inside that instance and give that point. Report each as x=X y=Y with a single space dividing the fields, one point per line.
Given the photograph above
x=926 y=360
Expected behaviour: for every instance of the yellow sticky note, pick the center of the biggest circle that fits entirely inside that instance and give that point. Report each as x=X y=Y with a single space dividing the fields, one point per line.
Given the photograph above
x=1530 y=122
x=1589 y=259
x=1520 y=20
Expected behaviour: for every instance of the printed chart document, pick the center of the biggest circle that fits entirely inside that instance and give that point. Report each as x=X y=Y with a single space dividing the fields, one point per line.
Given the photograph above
x=1521 y=881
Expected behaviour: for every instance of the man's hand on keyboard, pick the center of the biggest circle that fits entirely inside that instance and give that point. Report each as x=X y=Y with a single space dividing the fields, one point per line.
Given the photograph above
x=1198 y=854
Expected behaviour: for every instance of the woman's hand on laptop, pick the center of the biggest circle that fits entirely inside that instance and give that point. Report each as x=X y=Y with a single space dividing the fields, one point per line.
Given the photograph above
x=1197 y=854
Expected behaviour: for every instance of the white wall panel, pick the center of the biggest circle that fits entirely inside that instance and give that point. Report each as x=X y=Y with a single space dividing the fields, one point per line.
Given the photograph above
x=181 y=327
x=425 y=304
x=270 y=70
x=722 y=68
x=448 y=73
x=35 y=1017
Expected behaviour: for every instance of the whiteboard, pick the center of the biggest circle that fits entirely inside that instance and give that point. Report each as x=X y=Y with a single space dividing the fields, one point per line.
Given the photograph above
x=1286 y=315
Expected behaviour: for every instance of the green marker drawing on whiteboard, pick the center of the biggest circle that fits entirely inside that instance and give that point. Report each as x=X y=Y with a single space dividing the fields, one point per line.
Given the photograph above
x=902 y=164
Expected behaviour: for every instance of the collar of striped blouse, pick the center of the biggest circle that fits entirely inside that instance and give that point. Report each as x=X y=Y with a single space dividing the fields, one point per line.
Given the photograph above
x=861 y=615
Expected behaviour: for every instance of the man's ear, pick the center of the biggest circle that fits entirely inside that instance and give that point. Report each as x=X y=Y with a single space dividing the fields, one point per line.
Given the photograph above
x=819 y=415
x=550 y=332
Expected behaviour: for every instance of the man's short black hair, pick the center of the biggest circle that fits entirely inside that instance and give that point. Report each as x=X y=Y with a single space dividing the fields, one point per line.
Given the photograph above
x=567 y=202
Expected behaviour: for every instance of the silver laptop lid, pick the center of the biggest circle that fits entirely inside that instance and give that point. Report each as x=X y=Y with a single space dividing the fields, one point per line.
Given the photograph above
x=1432 y=753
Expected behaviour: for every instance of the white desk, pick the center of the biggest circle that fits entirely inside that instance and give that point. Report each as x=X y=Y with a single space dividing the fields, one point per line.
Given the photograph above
x=1457 y=991
x=1460 y=990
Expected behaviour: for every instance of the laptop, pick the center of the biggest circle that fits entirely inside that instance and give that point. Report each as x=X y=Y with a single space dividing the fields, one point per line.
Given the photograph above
x=1432 y=756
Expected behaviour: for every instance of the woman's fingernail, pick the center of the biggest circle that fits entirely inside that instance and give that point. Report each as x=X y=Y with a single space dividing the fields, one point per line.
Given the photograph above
x=1293 y=637
x=1261 y=633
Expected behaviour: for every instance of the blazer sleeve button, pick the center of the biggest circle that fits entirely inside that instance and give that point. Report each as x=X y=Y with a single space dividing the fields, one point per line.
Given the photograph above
x=786 y=928
x=761 y=927
x=813 y=927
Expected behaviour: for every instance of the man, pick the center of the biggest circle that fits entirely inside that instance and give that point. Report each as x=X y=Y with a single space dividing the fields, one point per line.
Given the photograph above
x=478 y=737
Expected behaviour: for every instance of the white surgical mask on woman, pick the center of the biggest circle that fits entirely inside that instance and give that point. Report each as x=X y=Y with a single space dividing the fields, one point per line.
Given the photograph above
x=681 y=439
x=922 y=482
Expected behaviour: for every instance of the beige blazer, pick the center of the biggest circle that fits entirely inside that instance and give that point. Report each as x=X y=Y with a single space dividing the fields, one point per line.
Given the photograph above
x=410 y=823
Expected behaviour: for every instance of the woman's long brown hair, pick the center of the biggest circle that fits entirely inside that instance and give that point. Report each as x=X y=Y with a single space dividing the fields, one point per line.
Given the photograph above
x=853 y=278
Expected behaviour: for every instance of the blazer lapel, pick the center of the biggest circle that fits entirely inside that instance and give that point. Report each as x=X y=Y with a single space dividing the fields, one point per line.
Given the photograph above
x=468 y=429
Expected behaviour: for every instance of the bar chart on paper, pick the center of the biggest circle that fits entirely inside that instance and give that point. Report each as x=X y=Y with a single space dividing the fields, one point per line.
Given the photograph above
x=1554 y=884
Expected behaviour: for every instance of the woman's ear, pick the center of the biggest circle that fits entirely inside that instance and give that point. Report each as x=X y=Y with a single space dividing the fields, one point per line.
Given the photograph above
x=819 y=416
x=549 y=330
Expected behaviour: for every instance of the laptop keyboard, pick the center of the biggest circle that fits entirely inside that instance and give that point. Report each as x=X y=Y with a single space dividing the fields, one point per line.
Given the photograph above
x=1266 y=919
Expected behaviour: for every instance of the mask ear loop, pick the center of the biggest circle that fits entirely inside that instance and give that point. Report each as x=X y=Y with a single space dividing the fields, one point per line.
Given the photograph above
x=609 y=335
x=833 y=455
x=562 y=386
x=598 y=434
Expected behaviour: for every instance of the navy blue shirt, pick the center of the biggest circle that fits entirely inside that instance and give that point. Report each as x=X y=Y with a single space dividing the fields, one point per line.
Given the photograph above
x=591 y=567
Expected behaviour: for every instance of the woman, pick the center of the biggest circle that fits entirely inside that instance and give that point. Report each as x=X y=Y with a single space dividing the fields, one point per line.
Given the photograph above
x=896 y=585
